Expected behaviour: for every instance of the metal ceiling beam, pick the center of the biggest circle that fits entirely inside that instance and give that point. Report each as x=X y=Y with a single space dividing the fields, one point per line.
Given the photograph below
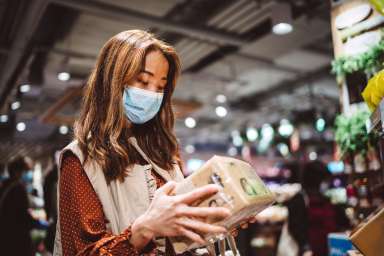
x=67 y=52
x=253 y=101
x=208 y=35
x=258 y=60
x=267 y=63
x=123 y=14
x=26 y=30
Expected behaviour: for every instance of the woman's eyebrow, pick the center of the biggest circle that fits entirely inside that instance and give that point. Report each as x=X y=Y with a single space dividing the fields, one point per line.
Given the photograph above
x=151 y=74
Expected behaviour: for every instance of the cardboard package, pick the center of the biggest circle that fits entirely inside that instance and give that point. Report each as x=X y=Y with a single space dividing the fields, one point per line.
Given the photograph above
x=368 y=238
x=243 y=192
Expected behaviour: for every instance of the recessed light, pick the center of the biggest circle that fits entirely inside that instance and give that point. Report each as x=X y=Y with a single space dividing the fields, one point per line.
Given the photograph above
x=313 y=156
x=3 y=118
x=15 y=105
x=221 y=98
x=24 y=88
x=221 y=111
x=190 y=149
x=64 y=76
x=282 y=28
x=21 y=126
x=63 y=129
x=190 y=122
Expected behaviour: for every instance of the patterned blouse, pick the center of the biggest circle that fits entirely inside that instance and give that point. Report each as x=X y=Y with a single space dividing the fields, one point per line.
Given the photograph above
x=82 y=220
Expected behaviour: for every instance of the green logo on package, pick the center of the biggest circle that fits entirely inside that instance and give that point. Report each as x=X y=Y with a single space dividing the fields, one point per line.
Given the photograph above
x=252 y=187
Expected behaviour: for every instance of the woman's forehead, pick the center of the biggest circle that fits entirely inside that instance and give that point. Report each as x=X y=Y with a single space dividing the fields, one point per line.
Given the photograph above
x=156 y=63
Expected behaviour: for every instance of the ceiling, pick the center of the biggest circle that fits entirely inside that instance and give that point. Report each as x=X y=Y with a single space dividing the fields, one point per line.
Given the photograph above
x=226 y=47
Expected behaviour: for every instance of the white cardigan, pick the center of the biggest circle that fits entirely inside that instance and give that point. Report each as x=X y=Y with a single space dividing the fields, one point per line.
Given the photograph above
x=124 y=201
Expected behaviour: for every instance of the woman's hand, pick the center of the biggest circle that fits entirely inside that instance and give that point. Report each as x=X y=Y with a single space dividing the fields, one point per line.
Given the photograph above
x=243 y=225
x=173 y=216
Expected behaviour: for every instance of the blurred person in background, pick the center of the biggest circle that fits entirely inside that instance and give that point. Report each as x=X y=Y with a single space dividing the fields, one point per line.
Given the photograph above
x=15 y=219
x=50 y=204
x=3 y=176
x=116 y=179
x=323 y=217
x=294 y=236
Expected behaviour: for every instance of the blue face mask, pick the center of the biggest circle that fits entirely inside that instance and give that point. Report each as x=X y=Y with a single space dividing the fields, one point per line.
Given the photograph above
x=141 y=105
x=27 y=176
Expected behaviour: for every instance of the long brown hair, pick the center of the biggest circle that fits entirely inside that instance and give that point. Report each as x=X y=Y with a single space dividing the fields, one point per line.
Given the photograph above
x=102 y=130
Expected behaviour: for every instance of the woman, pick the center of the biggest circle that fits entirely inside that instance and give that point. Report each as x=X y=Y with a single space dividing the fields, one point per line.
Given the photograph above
x=323 y=216
x=16 y=222
x=112 y=197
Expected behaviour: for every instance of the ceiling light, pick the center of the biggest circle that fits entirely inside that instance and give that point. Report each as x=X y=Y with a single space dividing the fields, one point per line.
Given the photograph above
x=235 y=133
x=190 y=122
x=221 y=98
x=15 y=105
x=194 y=164
x=320 y=125
x=3 y=118
x=283 y=149
x=263 y=145
x=221 y=111
x=267 y=132
x=190 y=149
x=232 y=151
x=252 y=134
x=20 y=127
x=24 y=88
x=237 y=141
x=313 y=156
x=282 y=28
x=63 y=129
x=63 y=76
x=285 y=128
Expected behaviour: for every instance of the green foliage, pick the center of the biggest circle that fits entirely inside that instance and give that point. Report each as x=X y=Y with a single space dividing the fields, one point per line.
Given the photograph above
x=351 y=134
x=369 y=62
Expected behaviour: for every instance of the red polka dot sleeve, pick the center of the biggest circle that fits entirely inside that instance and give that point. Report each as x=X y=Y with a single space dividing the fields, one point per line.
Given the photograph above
x=82 y=220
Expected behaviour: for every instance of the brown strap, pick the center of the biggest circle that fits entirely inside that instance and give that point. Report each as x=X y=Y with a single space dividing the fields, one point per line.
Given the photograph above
x=169 y=251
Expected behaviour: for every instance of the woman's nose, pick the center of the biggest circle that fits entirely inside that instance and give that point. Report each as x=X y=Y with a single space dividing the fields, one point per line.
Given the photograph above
x=155 y=87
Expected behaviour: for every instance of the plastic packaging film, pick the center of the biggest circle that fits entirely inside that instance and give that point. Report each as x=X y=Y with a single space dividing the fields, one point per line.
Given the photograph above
x=241 y=191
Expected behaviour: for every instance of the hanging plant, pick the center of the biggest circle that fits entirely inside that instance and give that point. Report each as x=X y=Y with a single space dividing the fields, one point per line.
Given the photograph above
x=369 y=62
x=351 y=134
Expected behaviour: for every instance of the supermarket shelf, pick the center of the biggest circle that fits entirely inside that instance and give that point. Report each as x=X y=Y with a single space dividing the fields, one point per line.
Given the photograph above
x=378 y=188
x=368 y=173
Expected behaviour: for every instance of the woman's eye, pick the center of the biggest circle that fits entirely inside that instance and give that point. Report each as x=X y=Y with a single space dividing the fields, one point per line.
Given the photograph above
x=143 y=82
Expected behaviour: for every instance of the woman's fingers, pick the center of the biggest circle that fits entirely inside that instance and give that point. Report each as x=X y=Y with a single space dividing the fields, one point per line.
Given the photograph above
x=167 y=188
x=203 y=212
x=200 y=226
x=197 y=194
x=244 y=225
x=192 y=235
